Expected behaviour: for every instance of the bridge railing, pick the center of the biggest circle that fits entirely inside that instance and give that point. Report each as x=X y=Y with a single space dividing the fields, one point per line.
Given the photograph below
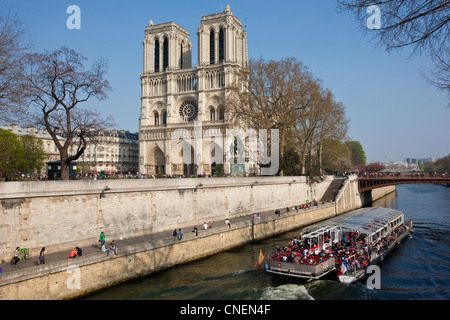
x=368 y=182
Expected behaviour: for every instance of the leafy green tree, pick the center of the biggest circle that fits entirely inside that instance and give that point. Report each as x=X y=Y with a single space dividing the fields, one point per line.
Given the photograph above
x=358 y=156
x=82 y=167
x=19 y=155
x=11 y=151
x=34 y=156
x=290 y=163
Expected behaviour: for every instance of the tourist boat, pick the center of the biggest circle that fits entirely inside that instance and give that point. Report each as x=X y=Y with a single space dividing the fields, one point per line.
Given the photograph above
x=316 y=241
x=364 y=237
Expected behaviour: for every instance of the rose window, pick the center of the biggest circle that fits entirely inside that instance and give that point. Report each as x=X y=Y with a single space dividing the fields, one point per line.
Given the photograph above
x=189 y=110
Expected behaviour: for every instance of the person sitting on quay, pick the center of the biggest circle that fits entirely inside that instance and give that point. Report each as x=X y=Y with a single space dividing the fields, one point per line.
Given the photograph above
x=73 y=254
x=112 y=247
x=105 y=250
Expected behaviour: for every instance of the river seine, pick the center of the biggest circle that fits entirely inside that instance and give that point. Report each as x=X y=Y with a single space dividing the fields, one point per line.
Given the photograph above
x=418 y=269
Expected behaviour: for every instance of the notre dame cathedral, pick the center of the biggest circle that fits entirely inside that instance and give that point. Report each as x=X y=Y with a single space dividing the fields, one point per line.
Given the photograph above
x=180 y=103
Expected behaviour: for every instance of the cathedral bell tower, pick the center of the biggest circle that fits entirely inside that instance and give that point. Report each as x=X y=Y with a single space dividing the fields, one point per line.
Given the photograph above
x=175 y=95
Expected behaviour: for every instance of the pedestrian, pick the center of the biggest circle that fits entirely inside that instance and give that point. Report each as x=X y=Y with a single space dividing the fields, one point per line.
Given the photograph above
x=209 y=225
x=205 y=226
x=42 y=256
x=102 y=239
x=227 y=223
x=105 y=250
x=112 y=247
x=72 y=254
x=79 y=251
x=175 y=233
x=16 y=257
x=180 y=234
x=195 y=230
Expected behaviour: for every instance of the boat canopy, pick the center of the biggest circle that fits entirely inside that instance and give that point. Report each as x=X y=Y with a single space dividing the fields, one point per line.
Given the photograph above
x=319 y=232
x=370 y=220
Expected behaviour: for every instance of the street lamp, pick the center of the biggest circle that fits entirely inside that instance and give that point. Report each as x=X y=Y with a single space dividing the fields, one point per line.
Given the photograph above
x=102 y=194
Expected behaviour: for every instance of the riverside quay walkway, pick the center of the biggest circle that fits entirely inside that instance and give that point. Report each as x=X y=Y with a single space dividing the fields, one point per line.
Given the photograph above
x=93 y=253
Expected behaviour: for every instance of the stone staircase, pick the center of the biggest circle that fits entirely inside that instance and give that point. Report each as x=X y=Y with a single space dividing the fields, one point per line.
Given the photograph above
x=333 y=189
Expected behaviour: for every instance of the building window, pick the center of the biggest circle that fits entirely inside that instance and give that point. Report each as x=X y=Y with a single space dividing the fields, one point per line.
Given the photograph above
x=221 y=113
x=164 y=119
x=181 y=57
x=156 y=56
x=212 y=114
x=221 y=45
x=165 y=54
x=211 y=47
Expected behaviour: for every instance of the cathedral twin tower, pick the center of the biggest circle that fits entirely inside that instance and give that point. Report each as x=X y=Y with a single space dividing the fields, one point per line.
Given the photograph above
x=175 y=96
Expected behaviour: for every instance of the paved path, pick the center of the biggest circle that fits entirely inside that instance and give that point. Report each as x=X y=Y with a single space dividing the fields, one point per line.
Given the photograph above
x=96 y=250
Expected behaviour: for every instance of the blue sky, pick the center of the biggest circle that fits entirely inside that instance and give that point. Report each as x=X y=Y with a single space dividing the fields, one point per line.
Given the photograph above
x=393 y=111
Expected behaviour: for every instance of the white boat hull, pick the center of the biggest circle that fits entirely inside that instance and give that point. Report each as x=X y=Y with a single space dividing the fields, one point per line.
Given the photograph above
x=347 y=279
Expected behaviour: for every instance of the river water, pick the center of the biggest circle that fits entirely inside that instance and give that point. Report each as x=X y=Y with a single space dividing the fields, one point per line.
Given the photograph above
x=418 y=269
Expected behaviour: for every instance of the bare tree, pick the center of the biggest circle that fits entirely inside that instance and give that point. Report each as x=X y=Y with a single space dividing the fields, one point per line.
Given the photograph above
x=333 y=125
x=13 y=45
x=320 y=119
x=268 y=96
x=421 y=25
x=308 y=121
x=60 y=83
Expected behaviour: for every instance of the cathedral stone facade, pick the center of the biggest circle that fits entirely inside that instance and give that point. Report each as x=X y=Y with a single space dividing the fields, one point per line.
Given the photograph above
x=183 y=111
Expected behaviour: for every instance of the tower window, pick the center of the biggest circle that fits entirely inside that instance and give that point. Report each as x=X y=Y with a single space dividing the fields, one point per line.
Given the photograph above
x=212 y=114
x=156 y=56
x=181 y=57
x=221 y=112
x=221 y=45
x=165 y=54
x=211 y=47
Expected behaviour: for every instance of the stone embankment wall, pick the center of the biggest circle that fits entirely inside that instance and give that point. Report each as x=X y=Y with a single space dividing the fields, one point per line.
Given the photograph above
x=32 y=214
x=58 y=215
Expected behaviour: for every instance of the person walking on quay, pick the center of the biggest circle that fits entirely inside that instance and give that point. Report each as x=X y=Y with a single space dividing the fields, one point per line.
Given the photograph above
x=102 y=239
x=16 y=257
x=180 y=234
x=42 y=256
x=227 y=223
